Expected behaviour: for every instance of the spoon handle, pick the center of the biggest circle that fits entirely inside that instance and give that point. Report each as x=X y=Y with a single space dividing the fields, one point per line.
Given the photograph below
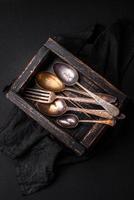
x=111 y=109
x=107 y=97
x=80 y=99
x=77 y=105
x=110 y=122
x=86 y=100
x=99 y=113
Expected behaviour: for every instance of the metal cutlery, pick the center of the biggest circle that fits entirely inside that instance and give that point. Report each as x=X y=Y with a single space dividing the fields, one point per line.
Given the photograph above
x=69 y=76
x=44 y=96
x=59 y=107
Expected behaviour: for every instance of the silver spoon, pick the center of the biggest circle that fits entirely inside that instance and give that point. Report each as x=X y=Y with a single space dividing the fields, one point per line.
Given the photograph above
x=71 y=121
x=69 y=76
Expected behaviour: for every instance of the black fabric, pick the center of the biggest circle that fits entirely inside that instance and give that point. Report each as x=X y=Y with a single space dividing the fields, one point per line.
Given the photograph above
x=109 y=51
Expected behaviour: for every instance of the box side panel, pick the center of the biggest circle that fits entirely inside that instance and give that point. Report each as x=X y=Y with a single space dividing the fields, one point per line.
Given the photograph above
x=26 y=74
x=44 y=122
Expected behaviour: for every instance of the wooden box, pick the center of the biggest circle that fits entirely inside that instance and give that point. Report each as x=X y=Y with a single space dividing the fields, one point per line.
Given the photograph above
x=81 y=138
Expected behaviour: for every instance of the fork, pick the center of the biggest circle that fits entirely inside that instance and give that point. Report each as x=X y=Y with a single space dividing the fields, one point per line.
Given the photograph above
x=44 y=96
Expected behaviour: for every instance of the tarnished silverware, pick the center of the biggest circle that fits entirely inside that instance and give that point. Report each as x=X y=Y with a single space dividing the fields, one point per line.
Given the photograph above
x=71 y=121
x=44 y=96
x=69 y=76
x=48 y=81
x=59 y=107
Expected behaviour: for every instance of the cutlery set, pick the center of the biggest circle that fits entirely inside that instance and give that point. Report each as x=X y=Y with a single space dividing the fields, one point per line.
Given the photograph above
x=52 y=104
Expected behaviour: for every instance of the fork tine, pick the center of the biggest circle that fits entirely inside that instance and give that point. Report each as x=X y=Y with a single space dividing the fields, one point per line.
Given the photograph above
x=37 y=100
x=36 y=96
x=38 y=90
x=37 y=93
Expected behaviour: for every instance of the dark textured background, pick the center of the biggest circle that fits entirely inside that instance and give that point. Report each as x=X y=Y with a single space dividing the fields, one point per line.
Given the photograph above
x=24 y=27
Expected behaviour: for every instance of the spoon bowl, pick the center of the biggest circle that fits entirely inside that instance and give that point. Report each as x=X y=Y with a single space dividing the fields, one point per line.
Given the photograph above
x=57 y=108
x=49 y=81
x=67 y=74
x=68 y=121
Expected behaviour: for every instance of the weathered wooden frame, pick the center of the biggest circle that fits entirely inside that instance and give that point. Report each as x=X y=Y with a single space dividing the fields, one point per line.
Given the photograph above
x=13 y=94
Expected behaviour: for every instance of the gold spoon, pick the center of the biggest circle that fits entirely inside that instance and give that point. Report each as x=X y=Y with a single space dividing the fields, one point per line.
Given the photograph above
x=59 y=107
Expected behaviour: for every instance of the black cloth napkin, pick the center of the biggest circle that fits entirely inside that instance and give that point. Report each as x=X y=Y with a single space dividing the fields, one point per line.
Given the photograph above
x=110 y=52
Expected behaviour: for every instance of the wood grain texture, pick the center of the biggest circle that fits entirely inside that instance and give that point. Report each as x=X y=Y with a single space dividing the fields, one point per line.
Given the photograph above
x=32 y=65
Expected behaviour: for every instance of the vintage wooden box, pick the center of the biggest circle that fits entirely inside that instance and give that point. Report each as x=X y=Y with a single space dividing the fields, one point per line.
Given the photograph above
x=81 y=138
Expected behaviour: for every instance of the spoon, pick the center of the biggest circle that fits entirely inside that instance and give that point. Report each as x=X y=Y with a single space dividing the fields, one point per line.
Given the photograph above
x=71 y=121
x=69 y=76
x=48 y=81
x=59 y=107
